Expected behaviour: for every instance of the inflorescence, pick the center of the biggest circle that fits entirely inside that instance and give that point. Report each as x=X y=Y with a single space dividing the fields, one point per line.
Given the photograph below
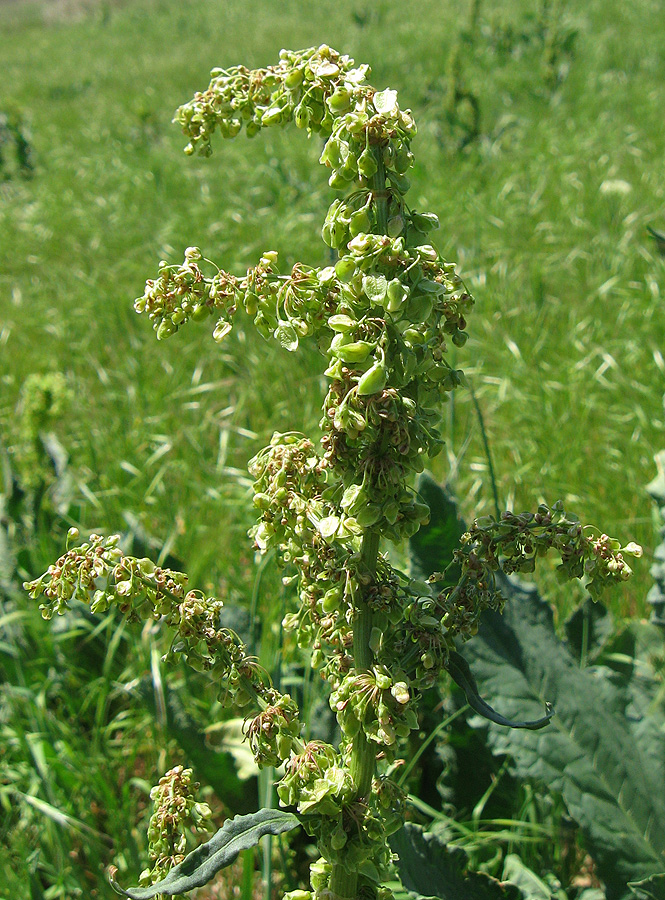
x=385 y=316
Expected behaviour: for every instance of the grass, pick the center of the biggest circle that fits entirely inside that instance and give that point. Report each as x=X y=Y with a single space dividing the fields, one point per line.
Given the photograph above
x=546 y=214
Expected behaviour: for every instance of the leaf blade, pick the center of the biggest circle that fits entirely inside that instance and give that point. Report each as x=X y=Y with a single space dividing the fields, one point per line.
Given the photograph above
x=430 y=868
x=203 y=863
x=606 y=766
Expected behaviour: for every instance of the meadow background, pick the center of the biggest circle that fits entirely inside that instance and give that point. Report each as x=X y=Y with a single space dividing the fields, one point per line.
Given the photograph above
x=545 y=211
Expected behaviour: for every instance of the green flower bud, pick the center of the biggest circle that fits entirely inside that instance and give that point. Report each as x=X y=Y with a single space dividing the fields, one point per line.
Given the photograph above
x=401 y=182
x=221 y=329
x=400 y=692
x=339 y=180
x=395 y=226
x=390 y=512
x=361 y=244
x=251 y=302
x=397 y=294
x=201 y=312
x=335 y=153
x=272 y=116
x=353 y=496
x=334 y=370
x=368 y=515
x=338 y=838
x=375 y=639
x=340 y=100
x=403 y=160
x=331 y=599
x=420 y=307
x=375 y=288
x=301 y=116
x=294 y=79
x=359 y=222
x=424 y=222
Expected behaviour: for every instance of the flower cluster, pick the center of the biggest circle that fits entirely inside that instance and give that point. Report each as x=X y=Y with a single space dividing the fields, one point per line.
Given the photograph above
x=181 y=293
x=514 y=542
x=100 y=575
x=309 y=87
x=287 y=307
x=377 y=704
x=274 y=734
x=348 y=831
x=176 y=812
x=301 y=521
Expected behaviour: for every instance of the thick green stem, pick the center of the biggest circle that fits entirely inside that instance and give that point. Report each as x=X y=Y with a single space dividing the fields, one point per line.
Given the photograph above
x=363 y=754
x=342 y=883
x=379 y=193
x=362 y=764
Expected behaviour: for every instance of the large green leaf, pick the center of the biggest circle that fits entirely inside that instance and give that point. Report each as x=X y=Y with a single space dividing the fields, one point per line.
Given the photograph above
x=603 y=752
x=430 y=868
x=201 y=865
x=605 y=749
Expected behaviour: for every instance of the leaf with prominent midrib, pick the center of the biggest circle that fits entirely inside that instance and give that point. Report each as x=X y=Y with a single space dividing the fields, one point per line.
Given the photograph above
x=604 y=750
x=605 y=756
x=202 y=864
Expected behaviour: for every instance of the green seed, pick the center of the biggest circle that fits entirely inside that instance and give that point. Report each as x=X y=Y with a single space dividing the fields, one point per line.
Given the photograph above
x=355 y=352
x=200 y=313
x=342 y=323
x=360 y=223
x=367 y=165
x=345 y=268
x=166 y=329
x=374 y=380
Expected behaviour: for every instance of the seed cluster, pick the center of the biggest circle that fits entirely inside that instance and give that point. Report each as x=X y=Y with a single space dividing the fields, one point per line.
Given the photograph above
x=176 y=812
x=99 y=574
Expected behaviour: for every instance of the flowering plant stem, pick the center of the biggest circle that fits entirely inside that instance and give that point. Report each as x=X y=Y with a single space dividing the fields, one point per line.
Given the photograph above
x=384 y=317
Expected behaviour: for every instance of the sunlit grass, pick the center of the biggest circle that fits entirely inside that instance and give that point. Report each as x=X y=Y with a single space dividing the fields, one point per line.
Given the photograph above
x=546 y=215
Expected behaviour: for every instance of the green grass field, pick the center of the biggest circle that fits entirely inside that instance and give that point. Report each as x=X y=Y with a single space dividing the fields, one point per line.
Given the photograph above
x=546 y=213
